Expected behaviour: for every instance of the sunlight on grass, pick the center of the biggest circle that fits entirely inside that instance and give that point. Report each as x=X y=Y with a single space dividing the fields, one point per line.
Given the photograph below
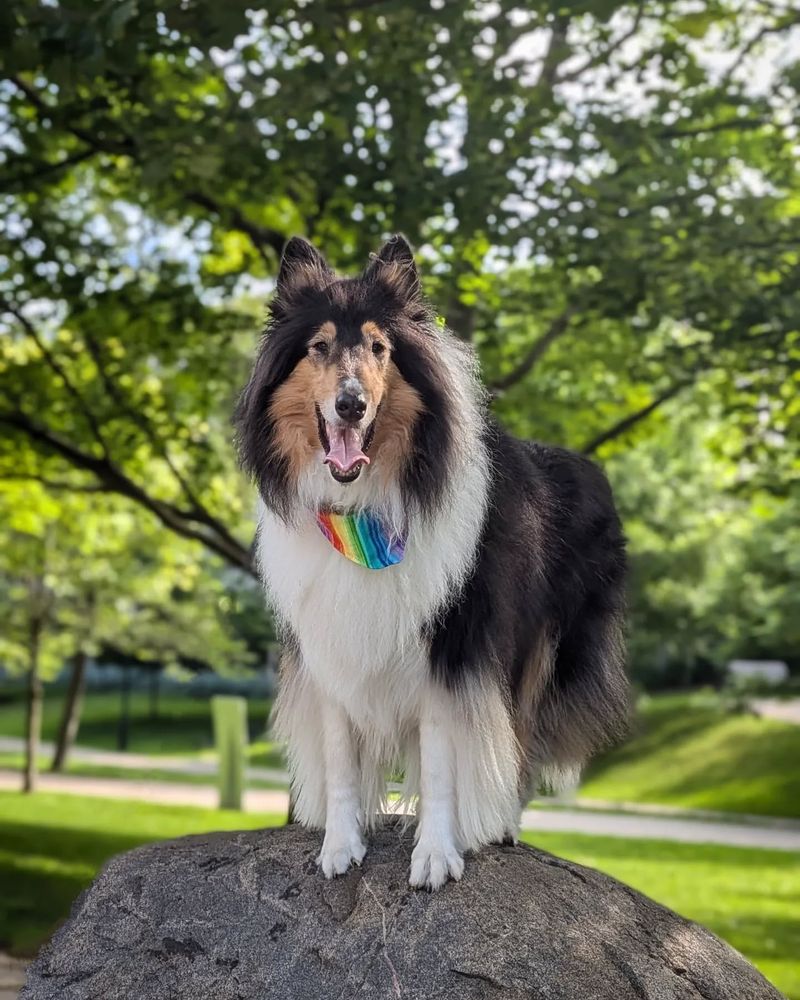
x=686 y=750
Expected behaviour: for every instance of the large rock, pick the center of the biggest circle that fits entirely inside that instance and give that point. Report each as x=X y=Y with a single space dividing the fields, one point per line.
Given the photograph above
x=240 y=916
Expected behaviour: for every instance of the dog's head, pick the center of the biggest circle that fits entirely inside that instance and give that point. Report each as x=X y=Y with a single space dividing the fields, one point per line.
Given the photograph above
x=347 y=378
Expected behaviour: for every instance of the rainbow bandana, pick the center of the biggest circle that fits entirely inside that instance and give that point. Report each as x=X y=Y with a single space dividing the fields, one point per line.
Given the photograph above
x=363 y=538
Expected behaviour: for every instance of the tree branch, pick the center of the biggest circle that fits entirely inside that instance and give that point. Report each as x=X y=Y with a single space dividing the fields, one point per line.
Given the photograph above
x=52 y=111
x=768 y=29
x=38 y=173
x=262 y=237
x=603 y=56
x=56 y=367
x=198 y=511
x=184 y=523
x=133 y=414
x=739 y=124
x=556 y=329
x=626 y=423
x=56 y=484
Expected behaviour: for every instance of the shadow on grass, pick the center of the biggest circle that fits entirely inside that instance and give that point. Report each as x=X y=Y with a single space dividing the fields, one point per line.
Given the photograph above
x=182 y=724
x=42 y=871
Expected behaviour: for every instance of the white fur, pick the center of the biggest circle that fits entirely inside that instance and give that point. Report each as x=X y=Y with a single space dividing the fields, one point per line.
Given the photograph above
x=343 y=843
x=436 y=856
x=360 y=697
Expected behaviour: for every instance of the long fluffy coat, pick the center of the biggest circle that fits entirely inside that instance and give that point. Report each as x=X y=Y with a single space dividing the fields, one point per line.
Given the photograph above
x=490 y=660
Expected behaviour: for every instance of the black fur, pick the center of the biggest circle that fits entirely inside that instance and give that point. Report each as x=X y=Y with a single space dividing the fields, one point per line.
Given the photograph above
x=551 y=563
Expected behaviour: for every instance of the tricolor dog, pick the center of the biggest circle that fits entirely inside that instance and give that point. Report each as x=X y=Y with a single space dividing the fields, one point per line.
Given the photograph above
x=451 y=598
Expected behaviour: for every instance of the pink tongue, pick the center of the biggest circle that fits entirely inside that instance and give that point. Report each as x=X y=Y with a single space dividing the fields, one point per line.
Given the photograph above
x=345 y=448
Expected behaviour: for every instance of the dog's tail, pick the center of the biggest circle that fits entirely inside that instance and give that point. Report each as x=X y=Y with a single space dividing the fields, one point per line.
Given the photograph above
x=575 y=702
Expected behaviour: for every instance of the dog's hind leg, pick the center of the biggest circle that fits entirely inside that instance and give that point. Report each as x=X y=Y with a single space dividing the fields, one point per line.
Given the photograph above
x=343 y=844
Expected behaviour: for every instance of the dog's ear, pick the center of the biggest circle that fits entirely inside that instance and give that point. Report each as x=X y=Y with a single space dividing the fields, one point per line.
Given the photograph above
x=395 y=267
x=302 y=266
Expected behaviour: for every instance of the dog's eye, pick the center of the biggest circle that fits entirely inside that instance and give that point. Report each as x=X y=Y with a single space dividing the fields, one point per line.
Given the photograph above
x=320 y=348
x=378 y=348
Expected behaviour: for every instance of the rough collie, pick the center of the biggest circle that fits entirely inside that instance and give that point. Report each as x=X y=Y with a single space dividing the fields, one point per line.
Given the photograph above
x=450 y=598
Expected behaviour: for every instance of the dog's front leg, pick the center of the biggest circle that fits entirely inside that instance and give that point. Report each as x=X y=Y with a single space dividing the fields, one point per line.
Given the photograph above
x=436 y=856
x=343 y=843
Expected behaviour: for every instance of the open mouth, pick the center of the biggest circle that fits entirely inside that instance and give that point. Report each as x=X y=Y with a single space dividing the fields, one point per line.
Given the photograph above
x=345 y=448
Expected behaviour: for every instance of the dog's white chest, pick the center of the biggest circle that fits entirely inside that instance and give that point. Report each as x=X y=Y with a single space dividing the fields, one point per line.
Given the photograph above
x=352 y=623
x=360 y=630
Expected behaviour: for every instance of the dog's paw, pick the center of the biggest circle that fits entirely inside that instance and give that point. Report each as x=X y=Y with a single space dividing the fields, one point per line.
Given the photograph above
x=432 y=864
x=339 y=851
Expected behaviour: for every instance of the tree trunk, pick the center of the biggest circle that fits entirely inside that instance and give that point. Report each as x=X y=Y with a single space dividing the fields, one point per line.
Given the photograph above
x=123 y=729
x=155 y=685
x=71 y=715
x=33 y=722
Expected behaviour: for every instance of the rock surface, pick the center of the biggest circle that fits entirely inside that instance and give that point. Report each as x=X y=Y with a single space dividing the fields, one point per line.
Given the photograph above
x=240 y=916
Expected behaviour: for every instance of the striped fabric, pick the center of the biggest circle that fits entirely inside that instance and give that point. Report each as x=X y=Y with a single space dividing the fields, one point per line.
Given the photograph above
x=362 y=538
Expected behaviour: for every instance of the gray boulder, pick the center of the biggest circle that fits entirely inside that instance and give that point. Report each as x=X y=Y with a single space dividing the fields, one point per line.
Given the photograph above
x=246 y=916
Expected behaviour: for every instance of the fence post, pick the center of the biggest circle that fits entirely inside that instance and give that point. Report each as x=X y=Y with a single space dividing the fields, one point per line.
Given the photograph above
x=230 y=736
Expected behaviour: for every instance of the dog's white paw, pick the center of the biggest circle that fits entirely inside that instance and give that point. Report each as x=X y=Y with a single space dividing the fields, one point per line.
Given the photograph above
x=339 y=851
x=432 y=863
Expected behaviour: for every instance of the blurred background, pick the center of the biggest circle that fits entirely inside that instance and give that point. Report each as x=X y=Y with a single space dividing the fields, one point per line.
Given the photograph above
x=605 y=201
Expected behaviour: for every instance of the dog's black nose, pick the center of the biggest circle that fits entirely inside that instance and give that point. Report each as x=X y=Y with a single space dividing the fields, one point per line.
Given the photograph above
x=351 y=406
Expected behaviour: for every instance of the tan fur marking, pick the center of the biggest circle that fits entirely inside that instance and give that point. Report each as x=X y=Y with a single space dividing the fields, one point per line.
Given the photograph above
x=373 y=375
x=535 y=675
x=394 y=431
x=292 y=411
x=370 y=329
x=327 y=331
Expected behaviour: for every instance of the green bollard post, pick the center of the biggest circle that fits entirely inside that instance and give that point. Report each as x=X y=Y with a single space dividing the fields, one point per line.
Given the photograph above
x=230 y=736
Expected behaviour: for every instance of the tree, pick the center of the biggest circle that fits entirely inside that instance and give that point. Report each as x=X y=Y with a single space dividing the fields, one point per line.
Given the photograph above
x=642 y=180
x=604 y=194
x=83 y=576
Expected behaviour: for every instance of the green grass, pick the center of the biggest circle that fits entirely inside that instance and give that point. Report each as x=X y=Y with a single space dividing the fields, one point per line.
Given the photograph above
x=687 y=750
x=52 y=845
x=183 y=723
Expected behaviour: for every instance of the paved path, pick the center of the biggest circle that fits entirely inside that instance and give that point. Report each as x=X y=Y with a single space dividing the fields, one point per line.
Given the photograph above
x=588 y=821
x=12 y=976
x=649 y=827
x=161 y=792
x=143 y=761
x=784 y=710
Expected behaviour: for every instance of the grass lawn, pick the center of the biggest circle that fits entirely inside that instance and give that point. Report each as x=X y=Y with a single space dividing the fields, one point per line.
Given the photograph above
x=686 y=750
x=52 y=845
x=183 y=723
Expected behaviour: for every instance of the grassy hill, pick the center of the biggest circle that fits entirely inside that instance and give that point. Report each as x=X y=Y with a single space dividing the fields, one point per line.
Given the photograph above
x=690 y=750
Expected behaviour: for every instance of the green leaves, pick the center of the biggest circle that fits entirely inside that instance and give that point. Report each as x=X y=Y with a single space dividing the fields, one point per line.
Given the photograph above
x=605 y=197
